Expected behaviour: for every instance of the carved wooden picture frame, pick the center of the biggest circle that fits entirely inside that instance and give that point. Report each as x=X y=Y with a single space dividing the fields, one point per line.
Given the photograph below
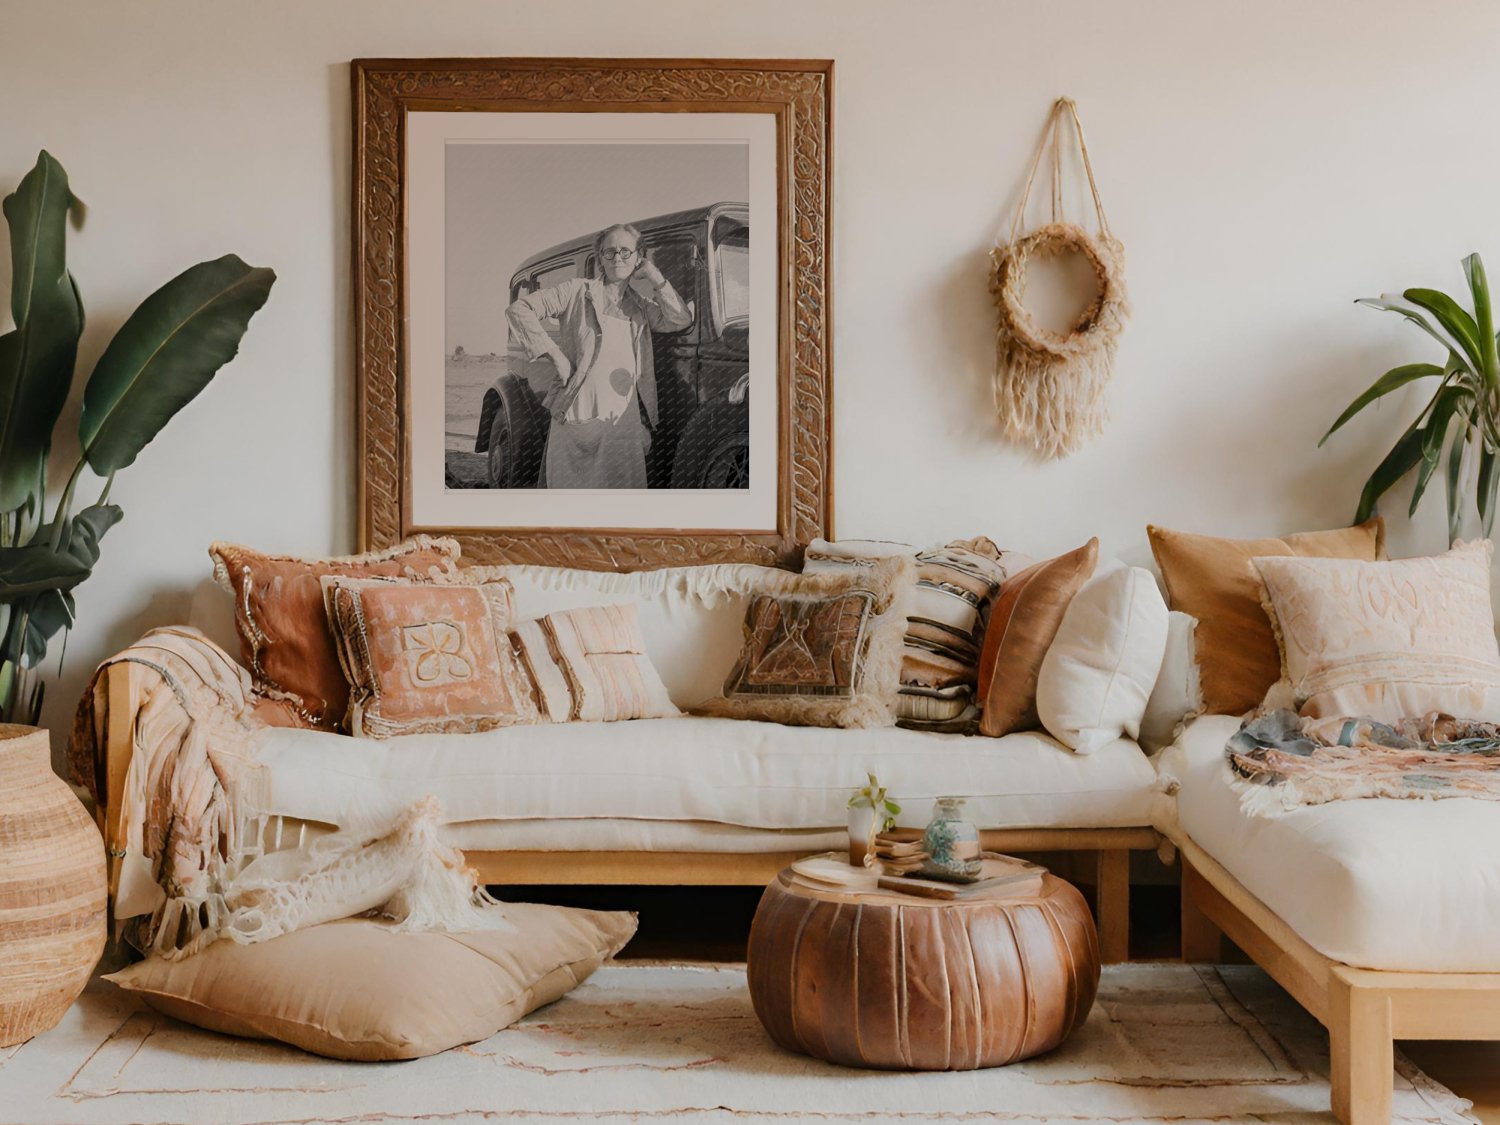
x=407 y=110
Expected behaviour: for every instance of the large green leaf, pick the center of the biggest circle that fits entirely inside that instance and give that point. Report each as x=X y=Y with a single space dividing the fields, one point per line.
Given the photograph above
x=1488 y=480
x=1448 y=402
x=1393 y=379
x=1391 y=302
x=37 y=356
x=1454 y=319
x=1402 y=458
x=164 y=355
x=1455 y=474
x=35 y=568
x=1484 y=316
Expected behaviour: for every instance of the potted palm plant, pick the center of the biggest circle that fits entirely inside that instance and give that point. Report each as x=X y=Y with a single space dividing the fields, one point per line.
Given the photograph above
x=1457 y=427
x=162 y=356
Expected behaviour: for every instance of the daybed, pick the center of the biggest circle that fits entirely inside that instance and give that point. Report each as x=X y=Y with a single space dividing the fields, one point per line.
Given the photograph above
x=670 y=801
x=1378 y=915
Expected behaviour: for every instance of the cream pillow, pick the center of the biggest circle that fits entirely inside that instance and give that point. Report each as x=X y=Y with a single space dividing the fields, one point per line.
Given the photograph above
x=356 y=990
x=1177 y=695
x=1100 y=668
x=590 y=665
x=1389 y=640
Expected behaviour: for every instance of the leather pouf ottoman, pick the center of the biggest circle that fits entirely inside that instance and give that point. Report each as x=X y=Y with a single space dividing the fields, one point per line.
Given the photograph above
x=889 y=980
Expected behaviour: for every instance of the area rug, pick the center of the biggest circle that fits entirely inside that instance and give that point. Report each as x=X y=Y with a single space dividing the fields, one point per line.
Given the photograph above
x=647 y=1042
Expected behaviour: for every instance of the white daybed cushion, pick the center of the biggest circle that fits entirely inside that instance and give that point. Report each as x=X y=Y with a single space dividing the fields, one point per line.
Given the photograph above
x=732 y=771
x=1378 y=884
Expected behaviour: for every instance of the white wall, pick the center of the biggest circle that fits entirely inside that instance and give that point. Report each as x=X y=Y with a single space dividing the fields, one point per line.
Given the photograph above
x=1264 y=164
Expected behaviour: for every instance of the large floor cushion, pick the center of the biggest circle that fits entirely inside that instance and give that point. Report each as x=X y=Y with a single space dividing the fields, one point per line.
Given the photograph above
x=1379 y=884
x=730 y=771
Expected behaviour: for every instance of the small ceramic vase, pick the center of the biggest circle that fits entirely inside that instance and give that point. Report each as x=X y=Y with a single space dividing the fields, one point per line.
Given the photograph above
x=861 y=832
x=951 y=843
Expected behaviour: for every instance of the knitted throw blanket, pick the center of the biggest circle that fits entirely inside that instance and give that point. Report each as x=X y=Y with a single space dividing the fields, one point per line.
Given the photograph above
x=198 y=860
x=1280 y=761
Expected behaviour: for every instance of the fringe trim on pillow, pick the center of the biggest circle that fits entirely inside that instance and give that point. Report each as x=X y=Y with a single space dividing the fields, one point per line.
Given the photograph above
x=708 y=585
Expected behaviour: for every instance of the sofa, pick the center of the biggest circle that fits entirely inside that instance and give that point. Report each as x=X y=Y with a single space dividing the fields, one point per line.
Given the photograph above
x=689 y=800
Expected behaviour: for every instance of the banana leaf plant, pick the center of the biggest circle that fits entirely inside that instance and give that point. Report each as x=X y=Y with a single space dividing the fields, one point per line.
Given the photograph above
x=164 y=354
x=1457 y=427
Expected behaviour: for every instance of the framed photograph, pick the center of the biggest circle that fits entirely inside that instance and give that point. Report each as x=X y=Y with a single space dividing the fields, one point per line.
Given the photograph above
x=591 y=302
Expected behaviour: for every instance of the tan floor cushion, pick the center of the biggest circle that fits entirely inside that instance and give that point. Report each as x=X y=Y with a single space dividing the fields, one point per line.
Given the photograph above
x=358 y=990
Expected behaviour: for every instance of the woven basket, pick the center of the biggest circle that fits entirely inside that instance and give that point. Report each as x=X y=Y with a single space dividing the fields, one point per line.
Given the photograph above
x=52 y=889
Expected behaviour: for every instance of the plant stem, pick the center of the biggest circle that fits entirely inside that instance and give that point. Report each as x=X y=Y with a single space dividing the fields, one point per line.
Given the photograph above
x=65 y=504
x=109 y=482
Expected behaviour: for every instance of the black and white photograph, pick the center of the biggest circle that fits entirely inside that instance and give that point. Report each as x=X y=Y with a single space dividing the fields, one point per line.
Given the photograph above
x=597 y=315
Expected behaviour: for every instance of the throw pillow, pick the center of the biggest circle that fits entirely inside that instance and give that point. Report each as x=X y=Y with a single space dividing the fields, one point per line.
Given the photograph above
x=1099 y=670
x=356 y=990
x=823 y=649
x=285 y=640
x=1213 y=580
x=424 y=657
x=1026 y=617
x=1177 y=695
x=1388 y=640
x=590 y=665
x=956 y=585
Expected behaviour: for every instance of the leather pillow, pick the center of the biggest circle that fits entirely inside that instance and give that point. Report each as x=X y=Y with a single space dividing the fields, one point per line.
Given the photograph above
x=1215 y=581
x=1023 y=623
x=285 y=639
x=356 y=990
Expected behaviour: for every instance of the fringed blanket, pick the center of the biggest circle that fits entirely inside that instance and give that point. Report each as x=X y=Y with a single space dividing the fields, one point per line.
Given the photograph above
x=193 y=865
x=1280 y=761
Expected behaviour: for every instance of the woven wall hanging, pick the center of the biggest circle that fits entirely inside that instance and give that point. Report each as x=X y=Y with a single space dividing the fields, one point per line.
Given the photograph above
x=1049 y=386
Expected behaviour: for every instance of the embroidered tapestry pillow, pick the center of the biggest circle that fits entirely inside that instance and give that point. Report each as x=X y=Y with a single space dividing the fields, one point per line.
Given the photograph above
x=355 y=989
x=284 y=635
x=823 y=649
x=590 y=665
x=1388 y=640
x=426 y=657
x=1213 y=580
x=956 y=584
x=1025 y=619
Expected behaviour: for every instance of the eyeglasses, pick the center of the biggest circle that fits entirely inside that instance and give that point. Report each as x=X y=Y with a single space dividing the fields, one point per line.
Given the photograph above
x=611 y=254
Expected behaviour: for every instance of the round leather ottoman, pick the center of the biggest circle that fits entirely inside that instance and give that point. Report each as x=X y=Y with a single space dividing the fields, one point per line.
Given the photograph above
x=884 y=979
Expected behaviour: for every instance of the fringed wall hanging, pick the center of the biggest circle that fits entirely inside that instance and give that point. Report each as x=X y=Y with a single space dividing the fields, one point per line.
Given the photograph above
x=1049 y=386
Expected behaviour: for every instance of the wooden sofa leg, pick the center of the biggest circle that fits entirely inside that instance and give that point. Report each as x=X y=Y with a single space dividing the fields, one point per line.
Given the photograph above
x=1361 y=1052
x=1112 y=885
x=1202 y=941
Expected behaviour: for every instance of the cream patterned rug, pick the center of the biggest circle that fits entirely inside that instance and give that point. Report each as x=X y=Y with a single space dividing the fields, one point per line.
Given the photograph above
x=642 y=1042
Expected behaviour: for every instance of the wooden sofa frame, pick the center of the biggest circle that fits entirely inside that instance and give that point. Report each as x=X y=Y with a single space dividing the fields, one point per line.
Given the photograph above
x=1364 y=1010
x=1111 y=846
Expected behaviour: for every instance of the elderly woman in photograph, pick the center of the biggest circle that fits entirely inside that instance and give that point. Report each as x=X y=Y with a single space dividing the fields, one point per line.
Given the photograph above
x=606 y=374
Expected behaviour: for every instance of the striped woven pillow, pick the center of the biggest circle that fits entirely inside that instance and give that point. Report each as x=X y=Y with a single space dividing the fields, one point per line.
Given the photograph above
x=956 y=583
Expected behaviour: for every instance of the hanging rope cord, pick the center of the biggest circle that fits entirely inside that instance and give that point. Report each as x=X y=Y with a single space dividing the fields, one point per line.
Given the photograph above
x=1049 y=386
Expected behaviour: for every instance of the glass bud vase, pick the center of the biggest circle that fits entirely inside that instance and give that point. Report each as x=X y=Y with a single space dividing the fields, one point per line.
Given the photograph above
x=951 y=843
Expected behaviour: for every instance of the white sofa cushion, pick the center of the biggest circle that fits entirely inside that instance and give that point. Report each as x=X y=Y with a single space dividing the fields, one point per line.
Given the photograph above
x=731 y=771
x=1377 y=883
x=1101 y=665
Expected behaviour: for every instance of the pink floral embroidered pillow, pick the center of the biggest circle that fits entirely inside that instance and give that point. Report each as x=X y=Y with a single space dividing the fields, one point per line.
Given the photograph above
x=427 y=657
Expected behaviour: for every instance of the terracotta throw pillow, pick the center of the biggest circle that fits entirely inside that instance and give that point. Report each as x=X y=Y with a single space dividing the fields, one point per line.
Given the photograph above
x=356 y=990
x=590 y=665
x=1026 y=617
x=1214 y=580
x=285 y=639
x=425 y=657
x=1388 y=640
x=823 y=649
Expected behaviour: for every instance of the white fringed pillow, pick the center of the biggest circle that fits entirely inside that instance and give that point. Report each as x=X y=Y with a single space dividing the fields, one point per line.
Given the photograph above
x=1098 y=673
x=1388 y=640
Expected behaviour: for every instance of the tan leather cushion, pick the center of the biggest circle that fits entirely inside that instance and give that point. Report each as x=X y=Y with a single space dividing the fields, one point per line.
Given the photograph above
x=356 y=990
x=1214 y=580
x=285 y=640
x=426 y=656
x=1022 y=624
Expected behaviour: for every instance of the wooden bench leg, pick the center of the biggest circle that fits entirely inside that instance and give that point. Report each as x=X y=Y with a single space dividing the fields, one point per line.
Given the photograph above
x=1361 y=1052
x=1112 y=885
x=1202 y=941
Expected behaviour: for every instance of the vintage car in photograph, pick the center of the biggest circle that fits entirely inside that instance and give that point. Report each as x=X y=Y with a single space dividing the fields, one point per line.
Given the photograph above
x=702 y=435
